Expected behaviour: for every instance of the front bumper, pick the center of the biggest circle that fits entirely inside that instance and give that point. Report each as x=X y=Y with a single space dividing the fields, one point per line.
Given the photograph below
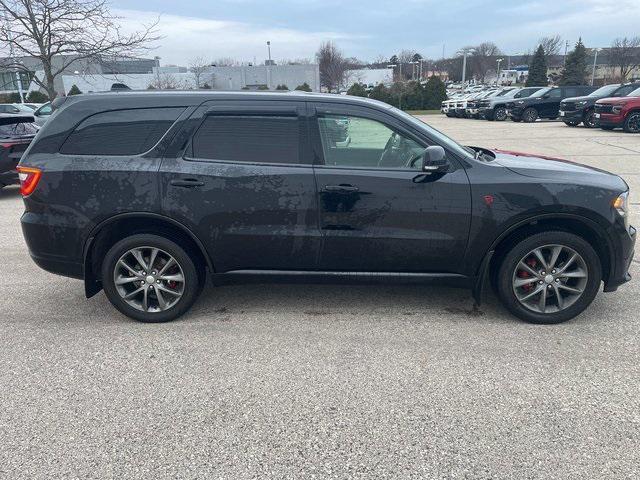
x=515 y=112
x=622 y=258
x=609 y=120
x=571 y=115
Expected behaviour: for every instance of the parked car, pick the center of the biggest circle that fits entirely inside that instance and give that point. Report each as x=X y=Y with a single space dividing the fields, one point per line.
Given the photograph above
x=545 y=103
x=616 y=112
x=462 y=103
x=472 y=110
x=16 y=132
x=152 y=192
x=494 y=108
x=43 y=113
x=15 y=109
x=574 y=111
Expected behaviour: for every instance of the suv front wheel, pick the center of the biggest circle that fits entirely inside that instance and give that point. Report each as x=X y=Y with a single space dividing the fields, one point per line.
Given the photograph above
x=549 y=277
x=150 y=278
x=530 y=115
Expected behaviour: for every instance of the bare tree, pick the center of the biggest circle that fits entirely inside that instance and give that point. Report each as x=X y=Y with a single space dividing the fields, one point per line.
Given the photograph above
x=483 y=59
x=167 y=81
x=225 y=62
x=71 y=31
x=551 y=45
x=332 y=64
x=625 y=55
x=198 y=66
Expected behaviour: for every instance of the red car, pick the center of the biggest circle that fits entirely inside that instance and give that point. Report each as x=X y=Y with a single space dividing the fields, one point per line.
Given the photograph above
x=619 y=112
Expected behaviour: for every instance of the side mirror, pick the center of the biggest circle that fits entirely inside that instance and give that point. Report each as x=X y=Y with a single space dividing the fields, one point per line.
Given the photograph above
x=434 y=160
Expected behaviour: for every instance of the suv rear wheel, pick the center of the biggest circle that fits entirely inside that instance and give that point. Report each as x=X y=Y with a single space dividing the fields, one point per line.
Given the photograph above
x=530 y=115
x=632 y=123
x=549 y=277
x=150 y=278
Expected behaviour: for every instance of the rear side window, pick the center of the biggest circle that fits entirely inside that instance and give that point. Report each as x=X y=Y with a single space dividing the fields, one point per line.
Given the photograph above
x=248 y=138
x=121 y=132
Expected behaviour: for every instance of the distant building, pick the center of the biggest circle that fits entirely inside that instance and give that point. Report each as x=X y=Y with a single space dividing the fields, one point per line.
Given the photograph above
x=106 y=66
x=369 y=76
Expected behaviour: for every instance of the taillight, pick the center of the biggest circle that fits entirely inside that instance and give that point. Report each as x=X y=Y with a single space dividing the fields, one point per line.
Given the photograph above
x=29 y=178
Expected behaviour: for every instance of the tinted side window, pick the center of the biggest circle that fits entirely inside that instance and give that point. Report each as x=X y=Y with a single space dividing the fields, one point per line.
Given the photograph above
x=555 y=93
x=626 y=90
x=120 y=132
x=572 y=92
x=248 y=138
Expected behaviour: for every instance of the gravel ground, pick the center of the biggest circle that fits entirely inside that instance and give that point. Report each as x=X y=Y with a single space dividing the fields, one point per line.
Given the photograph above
x=304 y=381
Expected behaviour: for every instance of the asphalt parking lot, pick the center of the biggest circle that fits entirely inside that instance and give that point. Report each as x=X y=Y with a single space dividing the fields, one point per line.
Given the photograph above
x=304 y=381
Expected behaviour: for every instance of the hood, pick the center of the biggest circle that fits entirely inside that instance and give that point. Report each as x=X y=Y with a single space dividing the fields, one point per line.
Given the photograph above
x=617 y=100
x=579 y=99
x=553 y=168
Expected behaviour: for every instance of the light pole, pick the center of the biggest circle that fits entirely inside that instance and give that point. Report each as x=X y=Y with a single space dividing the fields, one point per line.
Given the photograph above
x=465 y=51
x=593 y=71
x=269 y=51
x=499 y=60
x=269 y=65
x=413 y=70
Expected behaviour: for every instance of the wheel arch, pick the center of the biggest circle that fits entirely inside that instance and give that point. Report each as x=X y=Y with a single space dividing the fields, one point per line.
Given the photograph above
x=584 y=227
x=104 y=235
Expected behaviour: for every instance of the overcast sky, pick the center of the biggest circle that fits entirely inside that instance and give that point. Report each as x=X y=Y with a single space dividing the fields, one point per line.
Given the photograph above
x=366 y=29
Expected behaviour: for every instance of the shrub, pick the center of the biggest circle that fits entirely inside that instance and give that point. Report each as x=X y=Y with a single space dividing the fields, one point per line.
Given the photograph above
x=37 y=97
x=304 y=87
x=282 y=87
x=357 y=90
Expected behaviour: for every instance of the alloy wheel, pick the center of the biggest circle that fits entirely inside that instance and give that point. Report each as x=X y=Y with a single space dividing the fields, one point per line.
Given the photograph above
x=149 y=279
x=633 y=123
x=590 y=119
x=550 y=278
x=500 y=114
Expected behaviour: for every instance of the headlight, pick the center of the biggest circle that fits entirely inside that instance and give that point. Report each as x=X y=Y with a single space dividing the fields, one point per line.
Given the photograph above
x=621 y=205
x=617 y=108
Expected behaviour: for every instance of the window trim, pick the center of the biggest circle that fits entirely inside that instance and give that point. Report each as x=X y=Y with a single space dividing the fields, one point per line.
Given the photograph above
x=184 y=108
x=254 y=110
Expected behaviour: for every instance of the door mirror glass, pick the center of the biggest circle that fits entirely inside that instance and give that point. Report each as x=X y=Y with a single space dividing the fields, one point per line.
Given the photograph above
x=434 y=160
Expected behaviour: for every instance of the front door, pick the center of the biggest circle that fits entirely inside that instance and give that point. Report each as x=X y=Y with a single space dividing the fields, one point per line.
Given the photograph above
x=378 y=212
x=242 y=180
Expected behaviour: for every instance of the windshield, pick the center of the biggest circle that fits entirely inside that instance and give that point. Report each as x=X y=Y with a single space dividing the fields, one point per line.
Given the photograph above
x=540 y=92
x=440 y=137
x=635 y=93
x=604 y=91
x=504 y=92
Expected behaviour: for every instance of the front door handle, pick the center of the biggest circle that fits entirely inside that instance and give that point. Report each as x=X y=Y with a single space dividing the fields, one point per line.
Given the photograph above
x=186 y=182
x=343 y=188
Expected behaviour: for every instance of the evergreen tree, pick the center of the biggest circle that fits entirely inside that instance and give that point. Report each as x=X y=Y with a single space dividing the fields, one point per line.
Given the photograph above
x=575 y=69
x=357 y=90
x=435 y=92
x=74 y=90
x=381 y=93
x=282 y=87
x=538 y=70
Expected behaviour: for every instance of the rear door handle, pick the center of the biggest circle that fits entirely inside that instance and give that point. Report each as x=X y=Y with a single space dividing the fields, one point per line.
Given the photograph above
x=186 y=182
x=341 y=188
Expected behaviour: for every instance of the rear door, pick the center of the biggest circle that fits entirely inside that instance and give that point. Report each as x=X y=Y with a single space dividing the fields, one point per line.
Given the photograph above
x=378 y=212
x=241 y=178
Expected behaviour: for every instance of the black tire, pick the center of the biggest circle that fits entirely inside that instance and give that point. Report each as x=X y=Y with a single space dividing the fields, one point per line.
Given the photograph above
x=529 y=115
x=571 y=124
x=607 y=128
x=504 y=281
x=500 y=114
x=192 y=282
x=632 y=123
x=517 y=120
x=589 y=119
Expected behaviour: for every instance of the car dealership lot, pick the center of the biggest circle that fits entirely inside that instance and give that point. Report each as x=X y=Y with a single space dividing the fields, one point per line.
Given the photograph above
x=336 y=381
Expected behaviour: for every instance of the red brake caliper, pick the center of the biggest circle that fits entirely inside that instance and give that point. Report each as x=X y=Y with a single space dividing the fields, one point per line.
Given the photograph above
x=524 y=274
